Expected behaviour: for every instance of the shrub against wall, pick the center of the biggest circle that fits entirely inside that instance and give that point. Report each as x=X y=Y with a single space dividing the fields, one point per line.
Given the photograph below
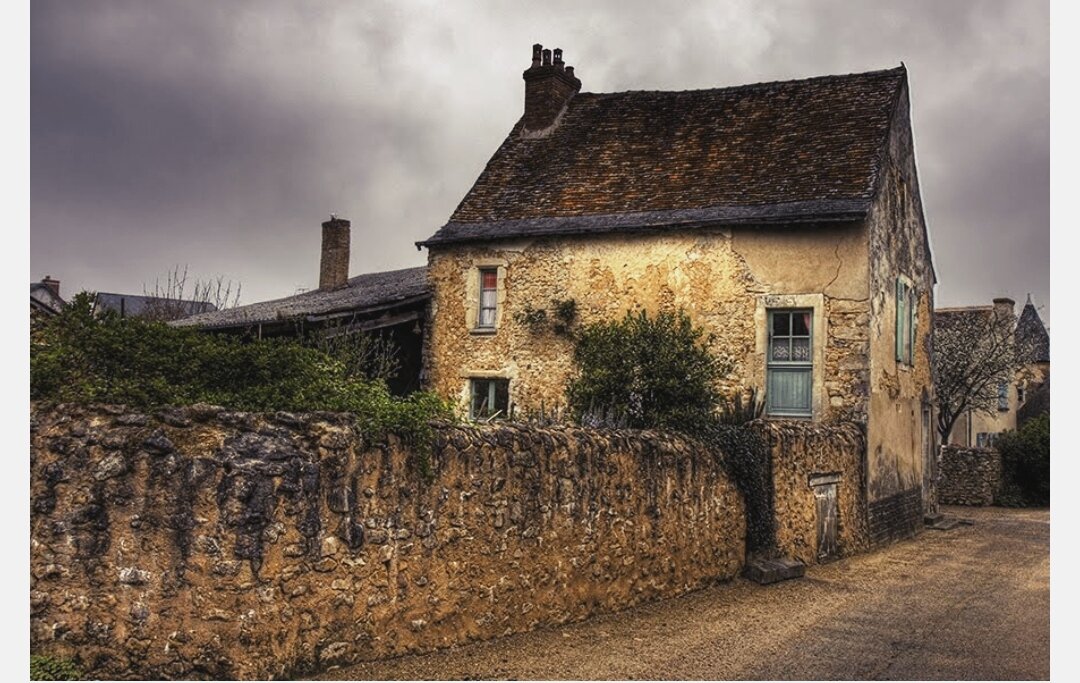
x=82 y=356
x=1025 y=463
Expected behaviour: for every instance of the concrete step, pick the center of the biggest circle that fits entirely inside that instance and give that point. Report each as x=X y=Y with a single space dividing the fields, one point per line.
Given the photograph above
x=931 y=520
x=766 y=571
x=946 y=524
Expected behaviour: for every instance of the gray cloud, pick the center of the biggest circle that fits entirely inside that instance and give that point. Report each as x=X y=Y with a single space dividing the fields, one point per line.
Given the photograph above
x=220 y=134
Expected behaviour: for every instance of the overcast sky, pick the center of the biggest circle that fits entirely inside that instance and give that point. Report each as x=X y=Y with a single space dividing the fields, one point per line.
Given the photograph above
x=220 y=135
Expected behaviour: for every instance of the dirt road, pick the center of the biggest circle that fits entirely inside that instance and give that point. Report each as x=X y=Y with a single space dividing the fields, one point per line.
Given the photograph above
x=970 y=603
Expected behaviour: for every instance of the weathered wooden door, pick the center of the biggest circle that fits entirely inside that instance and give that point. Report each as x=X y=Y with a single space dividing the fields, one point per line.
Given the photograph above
x=827 y=516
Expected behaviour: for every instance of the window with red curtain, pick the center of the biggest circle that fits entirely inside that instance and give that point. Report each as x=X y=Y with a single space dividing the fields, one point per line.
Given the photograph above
x=489 y=285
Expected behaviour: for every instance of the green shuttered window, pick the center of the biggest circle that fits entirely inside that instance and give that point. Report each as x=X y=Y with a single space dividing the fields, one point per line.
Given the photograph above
x=905 y=322
x=790 y=366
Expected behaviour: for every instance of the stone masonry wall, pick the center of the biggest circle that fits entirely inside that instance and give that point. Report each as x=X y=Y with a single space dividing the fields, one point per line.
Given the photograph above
x=801 y=451
x=969 y=476
x=203 y=543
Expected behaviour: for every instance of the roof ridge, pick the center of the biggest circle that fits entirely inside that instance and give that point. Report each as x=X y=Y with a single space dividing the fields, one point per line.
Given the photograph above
x=896 y=70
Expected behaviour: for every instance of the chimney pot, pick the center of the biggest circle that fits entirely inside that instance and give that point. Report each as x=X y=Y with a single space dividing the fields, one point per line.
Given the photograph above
x=548 y=89
x=334 y=262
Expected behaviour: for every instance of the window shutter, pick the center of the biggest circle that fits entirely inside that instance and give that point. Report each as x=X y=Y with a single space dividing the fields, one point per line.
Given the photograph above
x=912 y=308
x=899 y=320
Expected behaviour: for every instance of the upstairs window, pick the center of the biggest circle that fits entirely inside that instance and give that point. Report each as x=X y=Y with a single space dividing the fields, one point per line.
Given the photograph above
x=489 y=290
x=490 y=398
x=905 y=322
x=1003 y=395
x=790 y=366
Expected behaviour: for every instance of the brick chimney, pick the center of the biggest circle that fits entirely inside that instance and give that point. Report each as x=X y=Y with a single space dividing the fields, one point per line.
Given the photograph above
x=334 y=264
x=549 y=85
x=1004 y=307
x=53 y=285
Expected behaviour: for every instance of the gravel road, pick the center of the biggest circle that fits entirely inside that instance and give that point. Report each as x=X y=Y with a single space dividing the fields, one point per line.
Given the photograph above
x=969 y=603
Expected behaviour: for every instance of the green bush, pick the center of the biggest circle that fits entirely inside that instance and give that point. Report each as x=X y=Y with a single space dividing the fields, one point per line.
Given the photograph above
x=1025 y=463
x=46 y=668
x=654 y=372
x=83 y=357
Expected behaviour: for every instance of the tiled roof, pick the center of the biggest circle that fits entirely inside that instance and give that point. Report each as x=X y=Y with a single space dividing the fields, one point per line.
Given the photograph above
x=43 y=297
x=363 y=292
x=137 y=304
x=1030 y=328
x=785 y=151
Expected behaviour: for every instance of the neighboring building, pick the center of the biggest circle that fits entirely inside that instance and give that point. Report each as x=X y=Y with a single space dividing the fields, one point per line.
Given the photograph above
x=785 y=218
x=1027 y=395
x=143 y=306
x=392 y=303
x=45 y=298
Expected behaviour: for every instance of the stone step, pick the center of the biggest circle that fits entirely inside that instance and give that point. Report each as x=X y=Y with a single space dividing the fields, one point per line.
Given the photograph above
x=946 y=524
x=766 y=571
x=931 y=520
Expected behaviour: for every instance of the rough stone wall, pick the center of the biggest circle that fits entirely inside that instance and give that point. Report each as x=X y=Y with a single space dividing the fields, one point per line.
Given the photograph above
x=800 y=452
x=203 y=543
x=899 y=446
x=725 y=280
x=969 y=476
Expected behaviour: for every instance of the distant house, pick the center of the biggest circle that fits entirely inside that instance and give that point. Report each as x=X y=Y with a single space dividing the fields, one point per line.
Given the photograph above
x=141 y=306
x=785 y=218
x=1027 y=395
x=391 y=303
x=45 y=298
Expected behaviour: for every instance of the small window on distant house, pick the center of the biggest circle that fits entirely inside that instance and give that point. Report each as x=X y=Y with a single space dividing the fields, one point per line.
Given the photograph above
x=790 y=364
x=490 y=399
x=1019 y=394
x=489 y=289
x=1003 y=395
x=905 y=322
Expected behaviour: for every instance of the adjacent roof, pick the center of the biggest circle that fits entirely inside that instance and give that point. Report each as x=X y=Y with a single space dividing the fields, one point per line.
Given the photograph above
x=43 y=299
x=791 y=151
x=1030 y=328
x=136 y=305
x=368 y=292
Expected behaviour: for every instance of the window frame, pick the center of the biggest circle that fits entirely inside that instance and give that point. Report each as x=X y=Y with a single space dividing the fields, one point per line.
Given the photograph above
x=804 y=367
x=1003 y=396
x=480 y=307
x=493 y=393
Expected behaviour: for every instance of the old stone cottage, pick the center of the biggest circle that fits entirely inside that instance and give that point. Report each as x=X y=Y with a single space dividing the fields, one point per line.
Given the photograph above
x=1027 y=395
x=784 y=217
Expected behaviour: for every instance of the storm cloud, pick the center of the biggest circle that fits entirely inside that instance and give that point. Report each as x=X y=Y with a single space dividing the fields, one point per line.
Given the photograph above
x=220 y=135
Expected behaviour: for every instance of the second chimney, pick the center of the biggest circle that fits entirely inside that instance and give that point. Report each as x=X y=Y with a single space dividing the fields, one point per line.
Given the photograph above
x=548 y=87
x=334 y=264
x=53 y=285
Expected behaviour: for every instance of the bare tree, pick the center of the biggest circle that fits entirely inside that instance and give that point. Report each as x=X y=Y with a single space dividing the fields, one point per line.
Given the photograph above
x=372 y=355
x=174 y=298
x=974 y=351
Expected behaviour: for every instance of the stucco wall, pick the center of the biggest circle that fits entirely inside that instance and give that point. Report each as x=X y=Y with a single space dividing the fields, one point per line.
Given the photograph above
x=200 y=543
x=725 y=280
x=898 y=444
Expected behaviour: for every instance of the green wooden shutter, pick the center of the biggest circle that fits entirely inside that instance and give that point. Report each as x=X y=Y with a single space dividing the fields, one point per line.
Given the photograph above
x=900 y=317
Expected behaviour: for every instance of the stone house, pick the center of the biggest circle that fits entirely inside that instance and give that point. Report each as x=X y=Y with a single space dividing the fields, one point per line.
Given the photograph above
x=392 y=304
x=1027 y=395
x=45 y=300
x=785 y=218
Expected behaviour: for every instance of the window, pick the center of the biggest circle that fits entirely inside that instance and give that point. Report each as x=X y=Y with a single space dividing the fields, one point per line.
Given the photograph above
x=985 y=439
x=905 y=322
x=1019 y=394
x=490 y=399
x=790 y=364
x=1003 y=395
x=489 y=291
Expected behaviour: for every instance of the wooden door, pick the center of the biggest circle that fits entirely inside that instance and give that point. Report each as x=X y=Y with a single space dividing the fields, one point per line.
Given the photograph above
x=827 y=508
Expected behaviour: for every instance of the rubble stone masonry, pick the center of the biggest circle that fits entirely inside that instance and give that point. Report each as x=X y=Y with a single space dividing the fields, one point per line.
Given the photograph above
x=201 y=543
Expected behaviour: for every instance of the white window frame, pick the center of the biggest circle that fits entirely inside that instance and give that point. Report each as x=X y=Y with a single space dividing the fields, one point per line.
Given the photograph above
x=802 y=366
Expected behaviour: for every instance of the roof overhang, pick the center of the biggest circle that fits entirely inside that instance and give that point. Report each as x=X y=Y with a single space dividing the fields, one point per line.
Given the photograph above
x=781 y=213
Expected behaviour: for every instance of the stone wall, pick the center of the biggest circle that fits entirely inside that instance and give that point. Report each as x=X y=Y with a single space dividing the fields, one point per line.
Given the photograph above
x=800 y=452
x=204 y=543
x=969 y=476
x=725 y=280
